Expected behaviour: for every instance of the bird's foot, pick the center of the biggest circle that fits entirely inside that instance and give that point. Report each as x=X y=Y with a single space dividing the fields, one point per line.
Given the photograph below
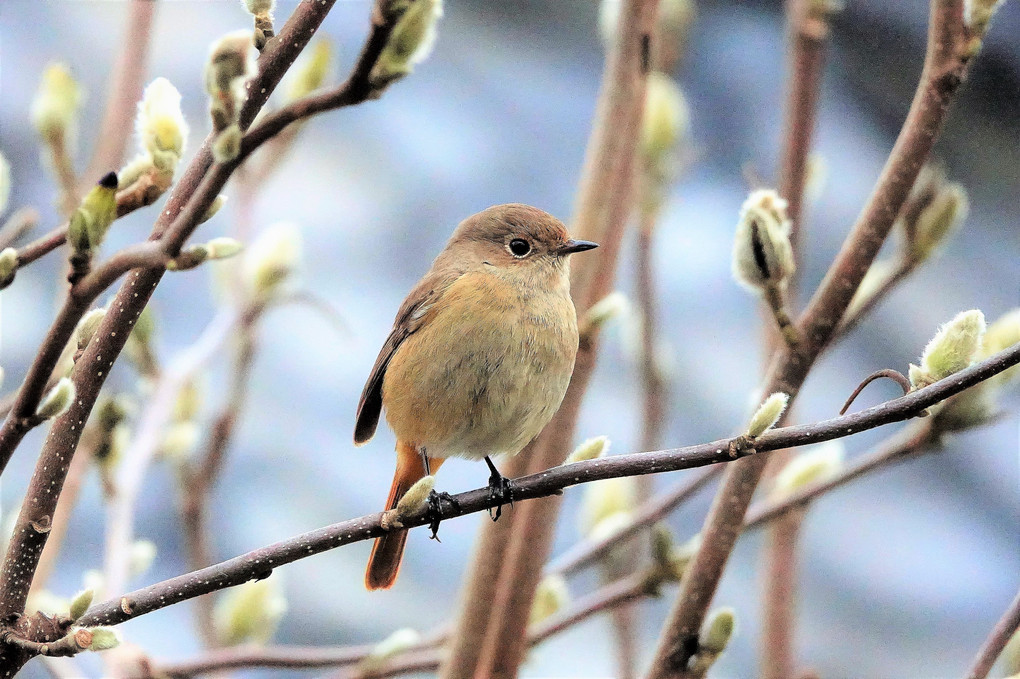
x=501 y=491
x=434 y=504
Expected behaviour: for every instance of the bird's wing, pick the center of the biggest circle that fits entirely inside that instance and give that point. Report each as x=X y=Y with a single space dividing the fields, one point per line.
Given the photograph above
x=416 y=312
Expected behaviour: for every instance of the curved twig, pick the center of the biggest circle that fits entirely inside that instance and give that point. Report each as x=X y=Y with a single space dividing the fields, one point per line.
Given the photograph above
x=894 y=375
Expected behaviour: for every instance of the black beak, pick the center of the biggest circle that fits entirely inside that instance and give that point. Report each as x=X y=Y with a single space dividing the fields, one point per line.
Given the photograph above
x=575 y=246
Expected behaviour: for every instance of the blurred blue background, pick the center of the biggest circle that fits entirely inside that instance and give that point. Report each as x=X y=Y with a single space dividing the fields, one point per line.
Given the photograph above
x=902 y=574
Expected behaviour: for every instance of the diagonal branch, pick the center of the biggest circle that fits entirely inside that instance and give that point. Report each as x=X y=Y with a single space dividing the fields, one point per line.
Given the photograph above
x=258 y=563
x=1000 y=635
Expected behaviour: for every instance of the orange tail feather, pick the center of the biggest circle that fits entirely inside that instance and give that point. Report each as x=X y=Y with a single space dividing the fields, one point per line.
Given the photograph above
x=388 y=550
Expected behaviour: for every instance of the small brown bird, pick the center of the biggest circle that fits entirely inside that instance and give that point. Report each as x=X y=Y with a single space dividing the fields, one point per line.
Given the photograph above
x=479 y=356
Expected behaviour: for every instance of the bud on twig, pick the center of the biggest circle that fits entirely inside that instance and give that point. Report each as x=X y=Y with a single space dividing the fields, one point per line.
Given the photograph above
x=768 y=414
x=954 y=347
x=812 y=466
x=89 y=223
x=231 y=64
x=103 y=638
x=415 y=497
x=263 y=13
x=223 y=248
x=715 y=637
x=410 y=42
x=977 y=14
x=250 y=612
x=56 y=103
x=213 y=208
x=589 y=449
x=57 y=400
x=8 y=266
x=551 y=596
x=227 y=144
x=311 y=70
x=933 y=211
x=763 y=256
x=397 y=642
x=162 y=130
x=663 y=128
x=80 y=603
x=87 y=327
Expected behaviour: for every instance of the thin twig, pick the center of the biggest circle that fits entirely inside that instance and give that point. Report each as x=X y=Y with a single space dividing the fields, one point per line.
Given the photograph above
x=17 y=225
x=945 y=67
x=1000 y=635
x=257 y=563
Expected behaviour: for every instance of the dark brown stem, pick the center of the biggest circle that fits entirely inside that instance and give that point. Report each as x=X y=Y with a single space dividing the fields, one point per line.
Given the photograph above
x=996 y=641
x=124 y=94
x=545 y=483
x=894 y=375
x=945 y=67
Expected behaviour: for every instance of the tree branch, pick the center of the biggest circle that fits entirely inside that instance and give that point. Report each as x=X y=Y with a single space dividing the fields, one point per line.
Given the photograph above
x=258 y=563
x=996 y=641
x=944 y=69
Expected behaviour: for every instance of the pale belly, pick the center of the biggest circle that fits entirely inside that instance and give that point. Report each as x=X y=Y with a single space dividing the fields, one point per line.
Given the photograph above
x=483 y=377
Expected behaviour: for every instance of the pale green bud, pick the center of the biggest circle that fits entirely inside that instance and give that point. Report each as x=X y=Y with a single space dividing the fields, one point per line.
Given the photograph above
x=271 y=259
x=250 y=612
x=397 y=642
x=665 y=120
x=604 y=498
x=80 y=603
x=8 y=266
x=718 y=631
x=410 y=42
x=214 y=207
x=415 y=497
x=180 y=440
x=310 y=72
x=939 y=219
x=135 y=169
x=589 y=449
x=56 y=103
x=89 y=222
x=87 y=327
x=222 y=248
x=231 y=62
x=814 y=465
x=611 y=306
x=5 y=183
x=762 y=253
x=954 y=347
x=227 y=144
x=104 y=638
x=57 y=400
x=259 y=6
x=160 y=125
x=977 y=14
x=768 y=414
x=143 y=553
x=551 y=596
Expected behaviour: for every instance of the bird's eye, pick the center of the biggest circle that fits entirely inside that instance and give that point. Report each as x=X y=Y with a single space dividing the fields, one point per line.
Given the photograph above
x=519 y=247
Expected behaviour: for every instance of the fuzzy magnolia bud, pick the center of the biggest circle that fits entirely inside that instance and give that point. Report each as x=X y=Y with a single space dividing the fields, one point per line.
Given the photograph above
x=762 y=254
x=311 y=70
x=214 y=207
x=768 y=414
x=977 y=14
x=56 y=103
x=271 y=259
x=934 y=210
x=259 y=6
x=227 y=144
x=718 y=631
x=410 y=42
x=231 y=63
x=80 y=603
x=5 y=183
x=89 y=223
x=954 y=347
x=222 y=248
x=611 y=306
x=397 y=642
x=8 y=266
x=58 y=400
x=250 y=612
x=104 y=638
x=551 y=596
x=815 y=465
x=605 y=498
x=162 y=130
x=665 y=118
x=87 y=327
x=589 y=449
x=415 y=497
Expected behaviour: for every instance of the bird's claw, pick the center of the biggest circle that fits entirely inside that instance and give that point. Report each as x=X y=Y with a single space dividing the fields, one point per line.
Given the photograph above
x=501 y=491
x=434 y=504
